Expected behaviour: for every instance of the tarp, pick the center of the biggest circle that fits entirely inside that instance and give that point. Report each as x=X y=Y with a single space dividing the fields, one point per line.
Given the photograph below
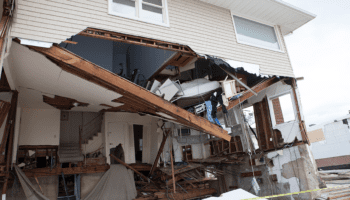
x=28 y=188
x=117 y=184
x=234 y=194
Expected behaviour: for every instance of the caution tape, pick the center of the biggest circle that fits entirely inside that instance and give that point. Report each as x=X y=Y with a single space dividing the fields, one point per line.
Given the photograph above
x=287 y=194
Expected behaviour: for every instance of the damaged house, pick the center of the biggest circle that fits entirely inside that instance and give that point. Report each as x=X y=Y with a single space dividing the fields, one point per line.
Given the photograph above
x=145 y=99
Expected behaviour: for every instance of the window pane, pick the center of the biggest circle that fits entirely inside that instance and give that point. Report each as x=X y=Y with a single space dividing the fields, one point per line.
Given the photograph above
x=156 y=2
x=283 y=109
x=152 y=13
x=126 y=7
x=255 y=33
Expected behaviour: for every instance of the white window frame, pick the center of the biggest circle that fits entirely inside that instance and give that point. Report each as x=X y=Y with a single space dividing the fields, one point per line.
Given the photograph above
x=138 y=6
x=275 y=28
x=272 y=113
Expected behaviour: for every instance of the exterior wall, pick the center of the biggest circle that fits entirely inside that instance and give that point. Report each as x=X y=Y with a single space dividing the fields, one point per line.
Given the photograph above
x=207 y=29
x=334 y=161
x=39 y=127
x=336 y=143
x=289 y=130
x=294 y=167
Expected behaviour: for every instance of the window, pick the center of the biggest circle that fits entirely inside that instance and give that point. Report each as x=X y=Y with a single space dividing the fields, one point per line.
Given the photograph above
x=255 y=34
x=152 y=11
x=283 y=109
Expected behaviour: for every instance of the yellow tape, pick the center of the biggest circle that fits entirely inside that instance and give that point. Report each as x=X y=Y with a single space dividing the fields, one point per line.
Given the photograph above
x=287 y=194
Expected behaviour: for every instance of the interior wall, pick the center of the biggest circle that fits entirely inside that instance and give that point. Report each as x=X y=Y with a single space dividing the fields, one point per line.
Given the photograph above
x=119 y=129
x=147 y=59
x=70 y=128
x=39 y=127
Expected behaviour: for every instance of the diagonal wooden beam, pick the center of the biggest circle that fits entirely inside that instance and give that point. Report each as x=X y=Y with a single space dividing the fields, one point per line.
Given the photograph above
x=257 y=88
x=159 y=152
x=137 y=172
x=96 y=74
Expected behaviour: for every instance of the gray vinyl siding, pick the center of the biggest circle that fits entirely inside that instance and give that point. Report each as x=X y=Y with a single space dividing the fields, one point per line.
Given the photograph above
x=205 y=28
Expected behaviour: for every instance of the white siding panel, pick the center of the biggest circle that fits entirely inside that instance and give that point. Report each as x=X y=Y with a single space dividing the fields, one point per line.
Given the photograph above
x=207 y=29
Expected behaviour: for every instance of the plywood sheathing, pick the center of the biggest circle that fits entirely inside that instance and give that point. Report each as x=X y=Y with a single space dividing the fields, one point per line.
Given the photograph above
x=154 y=104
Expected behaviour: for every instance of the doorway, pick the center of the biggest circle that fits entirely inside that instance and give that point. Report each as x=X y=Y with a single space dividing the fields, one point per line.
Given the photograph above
x=138 y=141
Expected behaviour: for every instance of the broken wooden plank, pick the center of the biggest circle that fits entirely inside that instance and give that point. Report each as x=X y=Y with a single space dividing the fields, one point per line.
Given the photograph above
x=171 y=181
x=246 y=95
x=42 y=172
x=129 y=167
x=159 y=153
x=37 y=181
x=70 y=42
x=301 y=124
x=196 y=193
x=96 y=74
x=249 y=174
x=172 y=167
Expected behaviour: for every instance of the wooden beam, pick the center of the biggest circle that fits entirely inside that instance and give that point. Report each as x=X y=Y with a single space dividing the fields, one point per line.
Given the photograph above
x=159 y=152
x=257 y=88
x=129 y=167
x=70 y=42
x=130 y=39
x=92 y=72
x=172 y=167
x=42 y=172
x=37 y=181
x=301 y=124
x=190 y=195
x=249 y=174
x=9 y=127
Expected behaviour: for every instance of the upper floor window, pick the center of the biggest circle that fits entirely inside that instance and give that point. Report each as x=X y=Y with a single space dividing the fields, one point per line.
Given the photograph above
x=256 y=34
x=152 y=11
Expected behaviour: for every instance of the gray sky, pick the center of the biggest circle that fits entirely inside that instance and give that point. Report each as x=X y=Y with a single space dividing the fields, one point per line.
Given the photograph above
x=320 y=52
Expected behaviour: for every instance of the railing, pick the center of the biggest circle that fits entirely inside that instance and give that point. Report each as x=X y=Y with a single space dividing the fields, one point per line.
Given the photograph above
x=90 y=128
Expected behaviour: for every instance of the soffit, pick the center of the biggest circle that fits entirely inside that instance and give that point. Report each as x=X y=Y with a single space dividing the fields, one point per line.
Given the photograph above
x=272 y=12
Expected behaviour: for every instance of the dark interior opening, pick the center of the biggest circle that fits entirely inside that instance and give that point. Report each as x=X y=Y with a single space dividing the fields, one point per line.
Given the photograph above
x=138 y=141
x=66 y=186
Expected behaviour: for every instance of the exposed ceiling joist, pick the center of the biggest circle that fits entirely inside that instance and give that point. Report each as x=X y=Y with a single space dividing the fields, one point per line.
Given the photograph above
x=119 y=37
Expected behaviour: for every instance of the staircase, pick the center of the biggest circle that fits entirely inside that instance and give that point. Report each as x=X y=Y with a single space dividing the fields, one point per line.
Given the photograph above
x=93 y=144
x=70 y=152
x=91 y=129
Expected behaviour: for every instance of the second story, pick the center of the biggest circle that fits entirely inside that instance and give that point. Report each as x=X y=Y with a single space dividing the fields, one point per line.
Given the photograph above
x=243 y=32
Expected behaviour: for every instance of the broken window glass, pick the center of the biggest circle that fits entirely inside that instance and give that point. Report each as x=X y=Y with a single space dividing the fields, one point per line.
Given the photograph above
x=283 y=109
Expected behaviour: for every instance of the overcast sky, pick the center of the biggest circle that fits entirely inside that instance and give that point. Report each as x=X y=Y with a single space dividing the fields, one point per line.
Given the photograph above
x=320 y=52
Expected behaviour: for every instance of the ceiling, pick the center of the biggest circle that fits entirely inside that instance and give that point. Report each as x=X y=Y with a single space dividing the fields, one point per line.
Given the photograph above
x=37 y=76
x=272 y=12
